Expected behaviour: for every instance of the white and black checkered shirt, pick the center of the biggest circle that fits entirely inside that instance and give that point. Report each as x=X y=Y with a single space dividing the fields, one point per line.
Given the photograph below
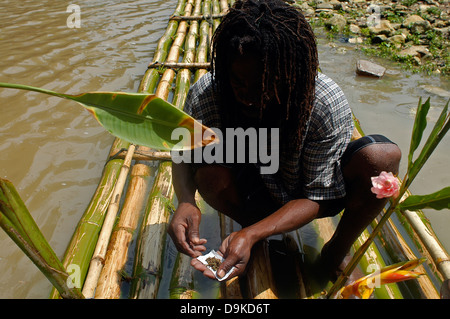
x=313 y=172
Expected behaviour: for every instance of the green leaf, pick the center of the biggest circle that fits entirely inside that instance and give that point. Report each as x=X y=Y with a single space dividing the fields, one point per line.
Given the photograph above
x=139 y=118
x=439 y=130
x=420 y=123
x=438 y=200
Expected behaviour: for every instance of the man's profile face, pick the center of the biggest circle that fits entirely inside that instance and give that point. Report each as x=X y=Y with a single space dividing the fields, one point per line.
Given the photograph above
x=245 y=75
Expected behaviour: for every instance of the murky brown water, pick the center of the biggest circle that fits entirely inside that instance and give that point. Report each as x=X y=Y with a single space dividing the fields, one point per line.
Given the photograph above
x=53 y=151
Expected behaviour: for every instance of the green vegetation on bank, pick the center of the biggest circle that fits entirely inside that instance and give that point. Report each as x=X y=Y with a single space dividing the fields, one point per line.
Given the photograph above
x=414 y=33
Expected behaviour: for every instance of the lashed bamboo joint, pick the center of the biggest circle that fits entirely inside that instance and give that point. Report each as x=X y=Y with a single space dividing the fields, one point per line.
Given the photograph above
x=180 y=65
x=141 y=154
x=197 y=18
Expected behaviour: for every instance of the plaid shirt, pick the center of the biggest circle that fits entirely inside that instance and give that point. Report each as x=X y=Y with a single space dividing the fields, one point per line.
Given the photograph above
x=313 y=170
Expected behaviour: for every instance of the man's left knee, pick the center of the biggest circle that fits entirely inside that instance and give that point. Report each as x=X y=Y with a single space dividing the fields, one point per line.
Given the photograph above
x=371 y=161
x=389 y=156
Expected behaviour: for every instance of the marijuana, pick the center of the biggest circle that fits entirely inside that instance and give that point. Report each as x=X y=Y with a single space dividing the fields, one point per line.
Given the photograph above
x=213 y=262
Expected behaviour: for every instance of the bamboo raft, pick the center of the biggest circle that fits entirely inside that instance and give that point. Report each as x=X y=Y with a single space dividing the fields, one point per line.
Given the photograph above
x=120 y=245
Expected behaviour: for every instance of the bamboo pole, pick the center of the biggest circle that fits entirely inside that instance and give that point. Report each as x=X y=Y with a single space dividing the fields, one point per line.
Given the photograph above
x=259 y=277
x=183 y=81
x=201 y=55
x=109 y=282
x=229 y=289
x=398 y=250
x=152 y=237
x=427 y=236
x=182 y=280
x=174 y=53
x=151 y=76
x=216 y=12
x=81 y=247
x=373 y=261
x=98 y=258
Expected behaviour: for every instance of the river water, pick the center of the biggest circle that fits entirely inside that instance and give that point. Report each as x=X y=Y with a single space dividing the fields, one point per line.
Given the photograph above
x=54 y=151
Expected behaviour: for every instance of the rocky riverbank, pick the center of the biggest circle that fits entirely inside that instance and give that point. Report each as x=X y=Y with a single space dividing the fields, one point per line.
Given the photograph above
x=415 y=33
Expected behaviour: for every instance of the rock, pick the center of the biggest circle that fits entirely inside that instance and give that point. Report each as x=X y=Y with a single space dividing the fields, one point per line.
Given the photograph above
x=310 y=12
x=302 y=6
x=417 y=24
x=336 y=21
x=419 y=51
x=404 y=32
x=444 y=32
x=412 y=19
x=367 y=68
x=336 y=4
x=353 y=28
x=384 y=27
x=324 y=6
x=356 y=40
x=398 y=38
x=420 y=27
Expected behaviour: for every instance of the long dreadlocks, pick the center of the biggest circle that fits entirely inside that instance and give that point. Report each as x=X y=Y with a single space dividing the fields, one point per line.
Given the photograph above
x=284 y=41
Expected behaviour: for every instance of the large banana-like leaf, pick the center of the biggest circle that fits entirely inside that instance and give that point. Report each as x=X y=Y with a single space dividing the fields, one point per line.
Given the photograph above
x=140 y=118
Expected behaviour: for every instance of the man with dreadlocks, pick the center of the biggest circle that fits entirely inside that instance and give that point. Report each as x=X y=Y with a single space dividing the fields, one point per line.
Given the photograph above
x=265 y=75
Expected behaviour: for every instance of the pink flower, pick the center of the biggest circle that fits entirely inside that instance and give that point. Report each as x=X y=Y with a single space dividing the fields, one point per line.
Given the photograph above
x=385 y=185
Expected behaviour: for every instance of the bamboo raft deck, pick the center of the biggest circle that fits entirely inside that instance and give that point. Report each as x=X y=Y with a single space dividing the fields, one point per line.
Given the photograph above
x=121 y=245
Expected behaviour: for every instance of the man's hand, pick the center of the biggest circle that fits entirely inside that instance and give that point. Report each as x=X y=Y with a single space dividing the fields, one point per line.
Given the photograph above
x=236 y=249
x=184 y=230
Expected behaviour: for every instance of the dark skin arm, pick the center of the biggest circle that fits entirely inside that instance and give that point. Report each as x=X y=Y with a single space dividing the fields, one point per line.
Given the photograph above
x=237 y=246
x=184 y=226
